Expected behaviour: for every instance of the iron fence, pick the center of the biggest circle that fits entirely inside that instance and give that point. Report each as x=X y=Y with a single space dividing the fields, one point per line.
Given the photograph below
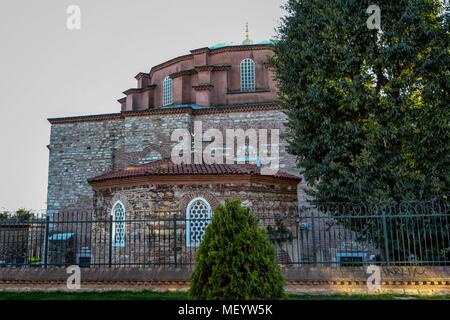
x=321 y=234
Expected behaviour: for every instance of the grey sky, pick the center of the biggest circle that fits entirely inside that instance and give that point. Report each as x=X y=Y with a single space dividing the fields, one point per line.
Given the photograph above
x=49 y=71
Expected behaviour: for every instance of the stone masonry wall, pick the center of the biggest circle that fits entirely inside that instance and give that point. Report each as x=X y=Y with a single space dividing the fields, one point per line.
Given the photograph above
x=79 y=151
x=82 y=150
x=144 y=136
x=254 y=120
x=150 y=231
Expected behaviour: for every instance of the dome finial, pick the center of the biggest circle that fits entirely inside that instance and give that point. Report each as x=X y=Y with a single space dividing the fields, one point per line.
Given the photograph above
x=247 y=40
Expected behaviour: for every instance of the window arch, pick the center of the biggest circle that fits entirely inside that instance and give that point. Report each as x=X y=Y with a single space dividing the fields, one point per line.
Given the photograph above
x=248 y=82
x=118 y=224
x=167 y=91
x=198 y=217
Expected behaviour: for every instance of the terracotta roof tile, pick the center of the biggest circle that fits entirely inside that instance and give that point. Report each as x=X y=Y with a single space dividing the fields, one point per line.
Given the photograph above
x=167 y=167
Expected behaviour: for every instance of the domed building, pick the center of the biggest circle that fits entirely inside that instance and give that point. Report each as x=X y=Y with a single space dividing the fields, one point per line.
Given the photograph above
x=120 y=165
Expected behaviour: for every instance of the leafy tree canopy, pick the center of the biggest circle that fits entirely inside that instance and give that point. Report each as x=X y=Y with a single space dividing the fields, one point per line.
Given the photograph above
x=21 y=215
x=369 y=115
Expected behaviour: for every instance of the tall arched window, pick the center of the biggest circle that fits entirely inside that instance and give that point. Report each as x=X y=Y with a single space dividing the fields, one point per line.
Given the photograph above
x=248 y=82
x=198 y=217
x=118 y=227
x=167 y=91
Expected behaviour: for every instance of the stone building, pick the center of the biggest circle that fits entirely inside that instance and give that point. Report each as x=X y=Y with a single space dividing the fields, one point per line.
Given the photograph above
x=119 y=164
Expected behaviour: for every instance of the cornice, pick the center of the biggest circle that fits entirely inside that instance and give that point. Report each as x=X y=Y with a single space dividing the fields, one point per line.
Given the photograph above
x=200 y=50
x=204 y=68
x=203 y=87
x=182 y=73
x=197 y=69
x=252 y=47
x=139 y=90
x=167 y=111
x=142 y=75
x=132 y=90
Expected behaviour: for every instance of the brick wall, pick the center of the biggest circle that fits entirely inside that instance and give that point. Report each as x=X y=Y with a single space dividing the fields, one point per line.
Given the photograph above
x=79 y=151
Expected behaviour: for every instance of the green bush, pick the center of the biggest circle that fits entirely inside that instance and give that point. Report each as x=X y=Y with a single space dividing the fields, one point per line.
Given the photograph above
x=235 y=260
x=33 y=260
x=21 y=215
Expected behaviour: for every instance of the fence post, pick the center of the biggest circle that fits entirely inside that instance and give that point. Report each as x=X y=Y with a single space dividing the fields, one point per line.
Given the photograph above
x=385 y=235
x=47 y=228
x=313 y=231
x=175 y=239
x=110 y=241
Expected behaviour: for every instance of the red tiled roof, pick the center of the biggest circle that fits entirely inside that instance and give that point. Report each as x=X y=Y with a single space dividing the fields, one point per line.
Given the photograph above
x=167 y=168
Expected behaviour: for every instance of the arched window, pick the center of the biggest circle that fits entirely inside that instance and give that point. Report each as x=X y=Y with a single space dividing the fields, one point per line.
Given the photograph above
x=248 y=82
x=167 y=91
x=198 y=217
x=118 y=224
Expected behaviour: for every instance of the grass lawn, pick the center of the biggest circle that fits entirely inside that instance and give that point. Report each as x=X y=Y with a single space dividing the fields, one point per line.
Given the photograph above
x=148 y=295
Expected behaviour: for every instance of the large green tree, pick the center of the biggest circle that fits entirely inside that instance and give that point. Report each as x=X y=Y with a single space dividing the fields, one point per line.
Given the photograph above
x=369 y=114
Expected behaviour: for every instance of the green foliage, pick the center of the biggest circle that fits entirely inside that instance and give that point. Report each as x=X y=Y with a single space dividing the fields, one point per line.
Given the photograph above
x=235 y=260
x=21 y=215
x=4 y=215
x=33 y=260
x=368 y=111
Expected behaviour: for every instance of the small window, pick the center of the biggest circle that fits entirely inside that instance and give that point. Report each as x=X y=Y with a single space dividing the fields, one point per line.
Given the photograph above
x=167 y=91
x=248 y=82
x=198 y=216
x=118 y=227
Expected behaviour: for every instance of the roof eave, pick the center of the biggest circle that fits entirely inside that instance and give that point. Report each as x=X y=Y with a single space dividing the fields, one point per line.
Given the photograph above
x=172 y=179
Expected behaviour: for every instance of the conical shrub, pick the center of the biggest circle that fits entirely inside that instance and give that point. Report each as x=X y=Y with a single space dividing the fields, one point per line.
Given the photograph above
x=235 y=260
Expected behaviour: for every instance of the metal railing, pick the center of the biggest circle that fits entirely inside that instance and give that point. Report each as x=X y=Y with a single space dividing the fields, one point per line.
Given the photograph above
x=321 y=234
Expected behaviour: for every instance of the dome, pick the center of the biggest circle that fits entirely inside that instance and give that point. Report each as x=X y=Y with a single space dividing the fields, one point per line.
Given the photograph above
x=221 y=45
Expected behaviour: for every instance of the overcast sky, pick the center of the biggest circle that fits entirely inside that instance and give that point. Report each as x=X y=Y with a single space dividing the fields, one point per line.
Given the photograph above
x=47 y=70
